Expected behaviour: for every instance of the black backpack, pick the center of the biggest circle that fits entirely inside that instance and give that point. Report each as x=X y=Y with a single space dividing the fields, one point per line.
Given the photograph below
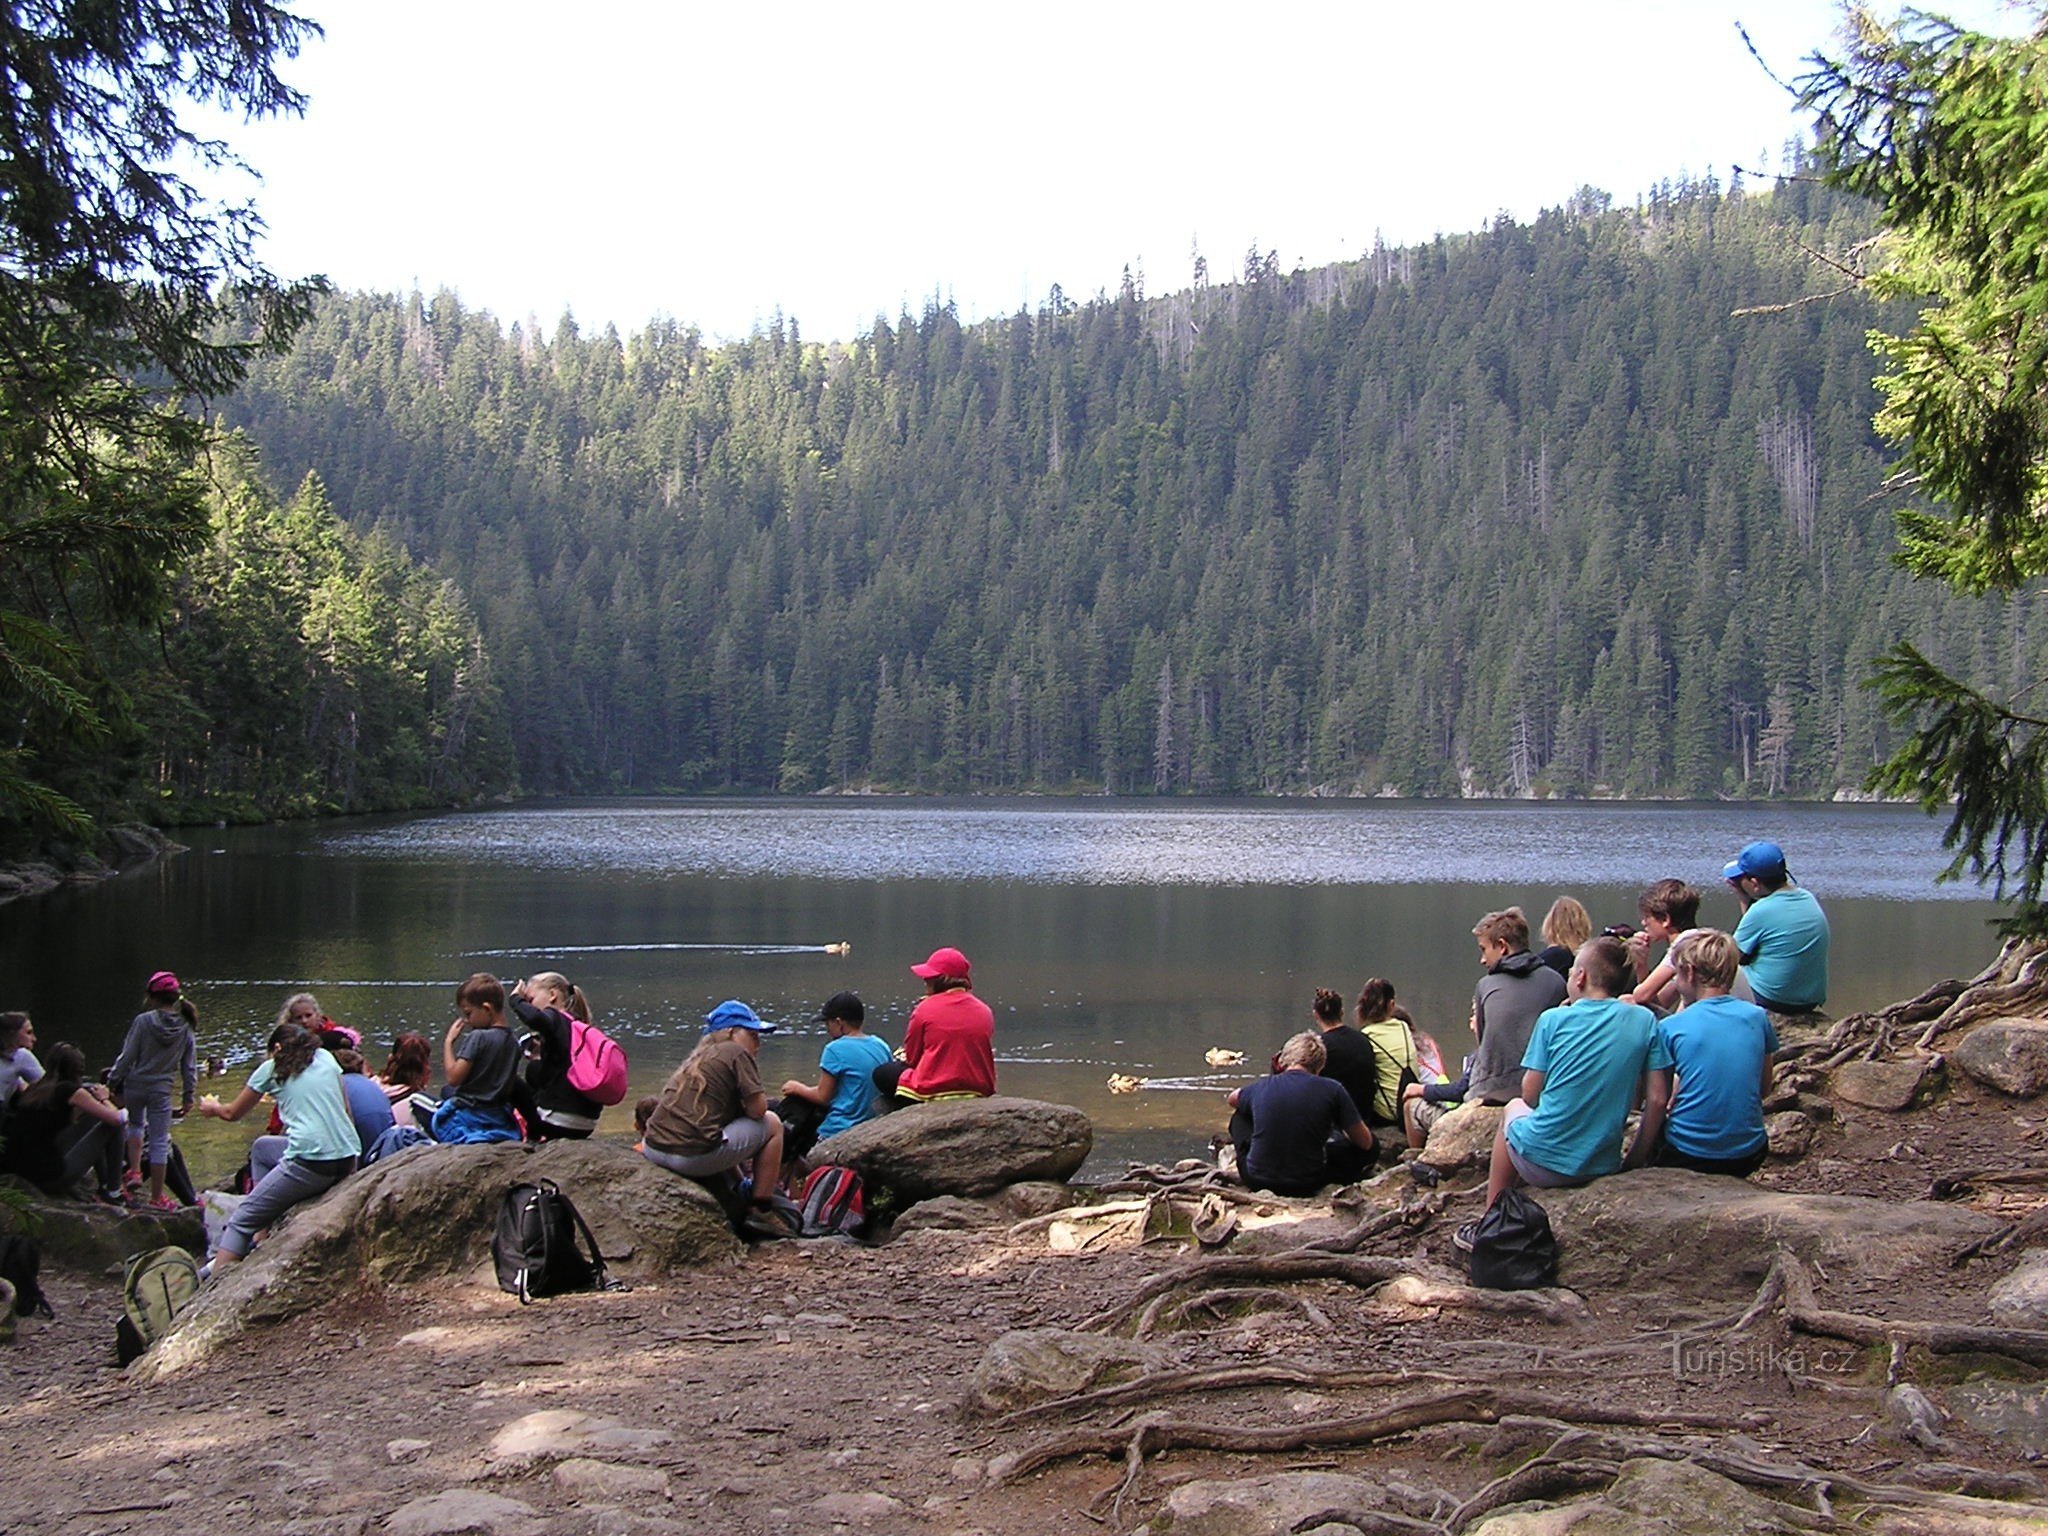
x=535 y=1248
x=1513 y=1248
x=21 y=1265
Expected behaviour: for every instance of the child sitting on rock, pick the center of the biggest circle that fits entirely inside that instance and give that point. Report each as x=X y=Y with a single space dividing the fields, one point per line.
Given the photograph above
x=1721 y=1050
x=713 y=1117
x=479 y=1061
x=1585 y=1067
x=844 y=1094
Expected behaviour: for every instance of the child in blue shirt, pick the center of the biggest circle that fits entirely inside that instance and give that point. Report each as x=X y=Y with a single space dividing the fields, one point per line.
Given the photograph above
x=844 y=1094
x=1586 y=1065
x=1721 y=1050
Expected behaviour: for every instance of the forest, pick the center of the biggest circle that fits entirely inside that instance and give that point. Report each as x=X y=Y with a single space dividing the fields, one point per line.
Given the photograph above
x=1585 y=506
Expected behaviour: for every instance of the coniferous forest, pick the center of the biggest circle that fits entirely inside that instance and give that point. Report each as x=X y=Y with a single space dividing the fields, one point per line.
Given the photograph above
x=1585 y=506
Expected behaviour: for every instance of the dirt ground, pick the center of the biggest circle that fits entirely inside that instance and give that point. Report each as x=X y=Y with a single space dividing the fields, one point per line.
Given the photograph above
x=815 y=1369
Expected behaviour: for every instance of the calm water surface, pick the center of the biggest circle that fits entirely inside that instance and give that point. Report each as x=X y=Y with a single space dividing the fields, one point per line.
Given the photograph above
x=1106 y=938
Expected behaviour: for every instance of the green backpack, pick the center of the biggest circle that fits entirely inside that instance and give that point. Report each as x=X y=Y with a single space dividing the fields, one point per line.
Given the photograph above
x=158 y=1286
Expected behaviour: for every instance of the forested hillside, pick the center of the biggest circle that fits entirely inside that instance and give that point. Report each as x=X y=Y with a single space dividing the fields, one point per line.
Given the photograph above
x=299 y=668
x=1533 y=510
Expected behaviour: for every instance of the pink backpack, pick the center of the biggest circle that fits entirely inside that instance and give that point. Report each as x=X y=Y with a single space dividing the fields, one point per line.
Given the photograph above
x=597 y=1066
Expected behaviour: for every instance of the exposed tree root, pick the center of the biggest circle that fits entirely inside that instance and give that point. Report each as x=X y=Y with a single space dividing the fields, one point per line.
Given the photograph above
x=1548 y=1476
x=2015 y=982
x=1423 y=1290
x=1950 y=1186
x=1214 y=1379
x=1164 y=1311
x=1279 y=1268
x=2018 y=1235
x=1154 y=1432
x=1414 y=1214
x=1804 y=1313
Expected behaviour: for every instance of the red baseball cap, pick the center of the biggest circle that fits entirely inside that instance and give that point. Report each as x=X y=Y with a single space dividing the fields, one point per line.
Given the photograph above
x=944 y=962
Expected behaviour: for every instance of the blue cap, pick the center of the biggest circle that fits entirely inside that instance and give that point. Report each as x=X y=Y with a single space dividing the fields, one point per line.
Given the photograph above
x=734 y=1014
x=1756 y=859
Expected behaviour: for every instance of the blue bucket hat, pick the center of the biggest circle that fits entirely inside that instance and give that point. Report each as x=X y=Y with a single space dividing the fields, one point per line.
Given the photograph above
x=734 y=1014
x=1757 y=859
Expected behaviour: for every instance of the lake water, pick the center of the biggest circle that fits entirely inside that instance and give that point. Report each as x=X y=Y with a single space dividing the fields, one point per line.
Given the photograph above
x=1108 y=938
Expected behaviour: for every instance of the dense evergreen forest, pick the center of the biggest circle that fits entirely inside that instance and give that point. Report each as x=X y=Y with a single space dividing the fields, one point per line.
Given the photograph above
x=299 y=668
x=1588 y=505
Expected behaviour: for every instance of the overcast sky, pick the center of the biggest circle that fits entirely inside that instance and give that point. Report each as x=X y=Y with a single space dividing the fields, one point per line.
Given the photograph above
x=714 y=163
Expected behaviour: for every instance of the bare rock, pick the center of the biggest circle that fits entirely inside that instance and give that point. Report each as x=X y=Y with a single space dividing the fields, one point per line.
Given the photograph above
x=1710 y=1235
x=1791 y=1133
x=1886 y=1085
x=560 y=1433
x=2020 y=1300
x=1463 y=1138
x=948 y=1213
x=963 y=1146
x=855 y=1508
x=1029 y=1365
x=397 y=1452
x=464 y=1513
x=1274 y=1505
x=429 y=1212
x=2010 y=1055
x=97 y=1239
x=2012 y=1412
x=592 y=1481
x=1034 y=1197
x=1656 y=1498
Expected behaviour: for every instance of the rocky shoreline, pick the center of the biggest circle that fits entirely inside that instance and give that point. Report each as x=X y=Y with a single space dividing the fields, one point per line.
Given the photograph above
x=122 y=848
x=1854 y=1339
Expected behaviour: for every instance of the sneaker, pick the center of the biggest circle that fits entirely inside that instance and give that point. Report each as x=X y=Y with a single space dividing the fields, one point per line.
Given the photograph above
x=111 y=1197
x=163 y=1203
x=131 y=1180
x=1466 y=1237
x=773 y=1219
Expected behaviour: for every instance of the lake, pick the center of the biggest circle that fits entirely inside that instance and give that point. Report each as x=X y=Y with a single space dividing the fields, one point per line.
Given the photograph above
x=1108 y=937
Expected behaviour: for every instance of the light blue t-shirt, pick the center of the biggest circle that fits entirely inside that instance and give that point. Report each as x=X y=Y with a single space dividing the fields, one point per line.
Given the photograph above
x=1718 y=1045
x=1592 y=1053
x=316 y=1123
x=1783 y=941
x=851 y=1059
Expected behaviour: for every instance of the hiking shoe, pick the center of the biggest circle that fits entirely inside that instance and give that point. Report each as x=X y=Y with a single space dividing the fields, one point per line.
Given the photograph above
x=1466 y=1237
x=773 y=1219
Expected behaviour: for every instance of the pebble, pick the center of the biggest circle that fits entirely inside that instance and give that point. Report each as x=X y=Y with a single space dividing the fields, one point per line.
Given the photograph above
x=398 y=1451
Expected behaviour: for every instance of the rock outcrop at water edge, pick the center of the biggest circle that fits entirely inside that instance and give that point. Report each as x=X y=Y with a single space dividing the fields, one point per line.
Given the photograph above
x=963 y=1146
x=430 y=1212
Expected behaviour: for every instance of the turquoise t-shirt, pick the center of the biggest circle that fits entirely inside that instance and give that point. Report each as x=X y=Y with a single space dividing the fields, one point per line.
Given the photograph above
x=1783 y=941
x=851 y=1059
x=1592 y=1053
x=316 y=1122
x=1718 y=1046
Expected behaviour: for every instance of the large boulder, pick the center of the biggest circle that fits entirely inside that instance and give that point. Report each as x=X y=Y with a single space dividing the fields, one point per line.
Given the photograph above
x=430 y=1211
x=1463 y=1138
x=2010 y=1055
x=1887 y=1085
x=1715 y=1236
x=99 y=1239
x=1657 y=1498
x=963 y=1146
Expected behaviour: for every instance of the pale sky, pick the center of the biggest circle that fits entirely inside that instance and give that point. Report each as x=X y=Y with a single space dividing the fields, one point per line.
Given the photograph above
x=715 y=163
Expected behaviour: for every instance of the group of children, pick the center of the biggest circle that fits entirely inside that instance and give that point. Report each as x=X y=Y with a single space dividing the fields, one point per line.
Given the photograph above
x=712 y=1120
x=1570 y=1041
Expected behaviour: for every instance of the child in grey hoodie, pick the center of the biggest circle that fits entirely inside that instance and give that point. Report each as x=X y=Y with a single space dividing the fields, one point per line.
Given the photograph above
x=161 y=1046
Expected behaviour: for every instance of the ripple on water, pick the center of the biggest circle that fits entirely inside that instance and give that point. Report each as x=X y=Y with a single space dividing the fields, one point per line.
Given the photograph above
x=1855 y=851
